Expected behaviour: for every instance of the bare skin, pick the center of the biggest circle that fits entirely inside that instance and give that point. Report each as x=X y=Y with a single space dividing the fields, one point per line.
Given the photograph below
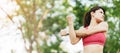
x=97 y=23
x=93 y=48
x=82 y=32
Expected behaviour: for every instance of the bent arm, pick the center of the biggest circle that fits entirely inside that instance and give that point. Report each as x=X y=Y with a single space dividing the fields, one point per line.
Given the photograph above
x=74 y=39
x=101 y=27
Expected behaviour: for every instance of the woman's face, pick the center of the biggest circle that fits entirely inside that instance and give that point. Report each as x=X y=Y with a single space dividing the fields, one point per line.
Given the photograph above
x=98 y=15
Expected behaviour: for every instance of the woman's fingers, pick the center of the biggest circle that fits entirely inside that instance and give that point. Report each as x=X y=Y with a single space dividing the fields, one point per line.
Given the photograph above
x=63 y=32
x=69 y=19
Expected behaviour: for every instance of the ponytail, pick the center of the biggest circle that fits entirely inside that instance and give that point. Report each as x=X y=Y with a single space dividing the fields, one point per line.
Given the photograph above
x=87 y=19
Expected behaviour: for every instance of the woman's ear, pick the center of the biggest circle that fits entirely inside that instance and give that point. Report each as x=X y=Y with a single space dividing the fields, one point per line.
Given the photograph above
x=92 y=14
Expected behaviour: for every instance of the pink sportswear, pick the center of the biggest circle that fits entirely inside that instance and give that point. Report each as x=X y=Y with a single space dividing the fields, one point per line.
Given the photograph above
x=97 y=38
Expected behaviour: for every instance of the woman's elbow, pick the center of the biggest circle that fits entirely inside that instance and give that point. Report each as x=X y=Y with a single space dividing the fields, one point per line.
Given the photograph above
x=73 y=43
x=104 y=26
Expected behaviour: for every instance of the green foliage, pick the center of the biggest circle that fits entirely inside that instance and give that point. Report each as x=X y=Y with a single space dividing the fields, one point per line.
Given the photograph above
x=116 y=9
x=55 y=21
x=79 y=11
x=113 y=40
x=53 y=47
x=54 y=24
x=33 y=11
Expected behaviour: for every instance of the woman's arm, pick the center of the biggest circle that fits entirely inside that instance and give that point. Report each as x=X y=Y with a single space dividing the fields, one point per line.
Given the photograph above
x=101 y=27
x=73 y=38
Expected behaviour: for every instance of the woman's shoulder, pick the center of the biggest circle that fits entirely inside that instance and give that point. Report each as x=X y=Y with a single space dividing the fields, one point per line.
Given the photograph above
x=103 y=23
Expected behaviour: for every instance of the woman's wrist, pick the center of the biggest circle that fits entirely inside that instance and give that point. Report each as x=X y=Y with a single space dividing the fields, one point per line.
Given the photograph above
x=70 y=23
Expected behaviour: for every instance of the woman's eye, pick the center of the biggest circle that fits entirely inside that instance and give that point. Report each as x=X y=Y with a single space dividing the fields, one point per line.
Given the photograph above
x=101 y=12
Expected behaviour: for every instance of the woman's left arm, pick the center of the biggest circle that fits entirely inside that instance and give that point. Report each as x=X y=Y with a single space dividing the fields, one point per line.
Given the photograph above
x=101 y=27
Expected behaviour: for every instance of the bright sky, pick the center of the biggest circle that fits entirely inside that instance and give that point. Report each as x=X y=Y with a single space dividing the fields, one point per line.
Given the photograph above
x=10 y=37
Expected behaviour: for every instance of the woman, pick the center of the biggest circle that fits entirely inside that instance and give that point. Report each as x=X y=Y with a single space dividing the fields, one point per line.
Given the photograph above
x=93 y=33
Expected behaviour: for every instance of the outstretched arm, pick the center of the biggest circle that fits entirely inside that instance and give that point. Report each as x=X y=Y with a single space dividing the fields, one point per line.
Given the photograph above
x=101 y=27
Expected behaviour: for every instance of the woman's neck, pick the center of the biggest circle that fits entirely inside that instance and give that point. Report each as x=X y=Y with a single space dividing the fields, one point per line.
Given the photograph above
x=93 y=22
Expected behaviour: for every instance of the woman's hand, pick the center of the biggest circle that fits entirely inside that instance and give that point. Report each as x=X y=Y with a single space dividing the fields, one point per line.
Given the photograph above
x=63 y=32
x=69 y=19
x=70 y=22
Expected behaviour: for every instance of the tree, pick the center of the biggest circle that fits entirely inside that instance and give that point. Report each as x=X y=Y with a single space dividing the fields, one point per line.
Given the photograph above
x=53 y=24
x=34 y=12
x=39 y=17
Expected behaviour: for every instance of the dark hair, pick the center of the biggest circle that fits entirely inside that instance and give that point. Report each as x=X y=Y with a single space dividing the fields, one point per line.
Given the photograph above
x=87 y=16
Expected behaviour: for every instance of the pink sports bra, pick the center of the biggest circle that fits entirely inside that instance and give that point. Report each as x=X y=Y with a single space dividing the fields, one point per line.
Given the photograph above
x=97 y=38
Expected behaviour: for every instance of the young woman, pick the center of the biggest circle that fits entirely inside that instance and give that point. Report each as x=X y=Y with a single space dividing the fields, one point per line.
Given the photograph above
x=93 y=33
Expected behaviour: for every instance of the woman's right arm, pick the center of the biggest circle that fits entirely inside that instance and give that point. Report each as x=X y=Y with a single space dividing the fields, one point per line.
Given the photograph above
x=73 y=38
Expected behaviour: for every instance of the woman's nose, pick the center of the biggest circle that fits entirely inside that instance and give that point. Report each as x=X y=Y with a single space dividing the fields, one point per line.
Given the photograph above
x=103 y=15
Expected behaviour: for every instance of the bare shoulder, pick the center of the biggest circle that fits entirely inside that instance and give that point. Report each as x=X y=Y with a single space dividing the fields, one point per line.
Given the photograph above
x=104 y=24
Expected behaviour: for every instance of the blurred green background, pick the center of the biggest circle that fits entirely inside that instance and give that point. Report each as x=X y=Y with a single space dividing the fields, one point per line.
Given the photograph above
x=44 y=19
